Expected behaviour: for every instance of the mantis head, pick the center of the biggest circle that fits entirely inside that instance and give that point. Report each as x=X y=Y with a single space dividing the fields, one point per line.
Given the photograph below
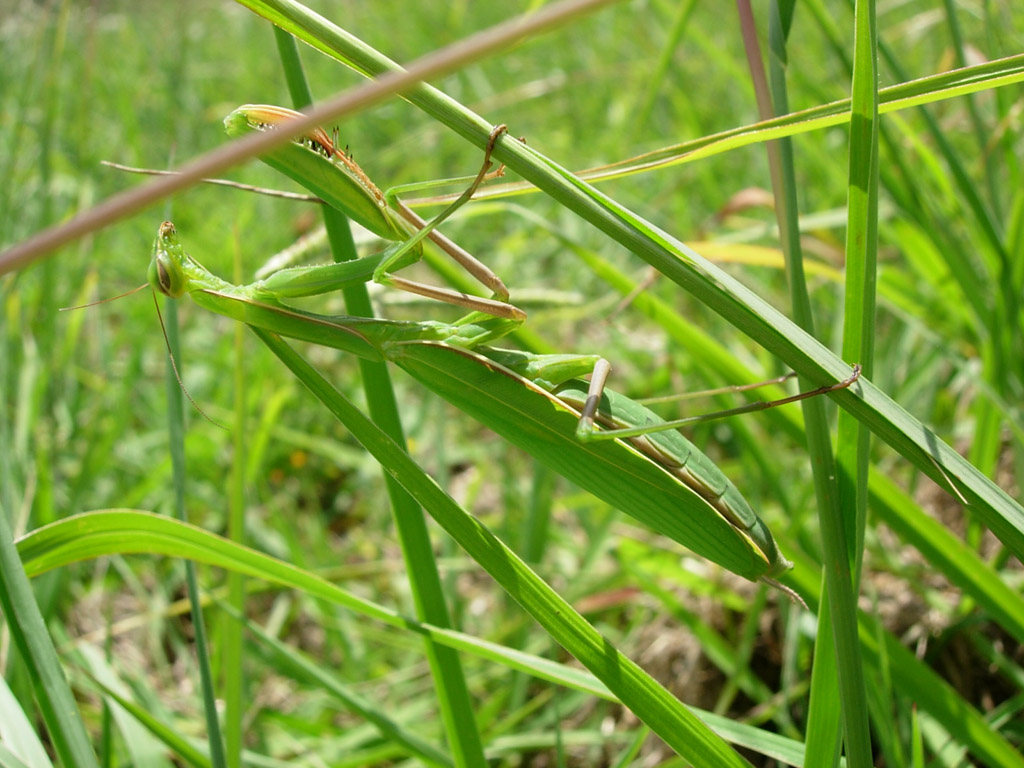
x=167 y=275
x=166 y=269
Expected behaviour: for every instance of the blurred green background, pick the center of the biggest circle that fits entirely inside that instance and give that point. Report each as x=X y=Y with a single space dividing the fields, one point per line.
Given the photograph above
x=147 y=84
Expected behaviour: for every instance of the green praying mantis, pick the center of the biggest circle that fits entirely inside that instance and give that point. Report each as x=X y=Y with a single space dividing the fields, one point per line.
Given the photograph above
x=603 y=441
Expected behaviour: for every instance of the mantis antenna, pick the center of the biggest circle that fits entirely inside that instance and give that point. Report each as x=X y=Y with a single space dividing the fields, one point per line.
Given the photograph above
x=104 y=301
x=174 y=367
x=167 y=343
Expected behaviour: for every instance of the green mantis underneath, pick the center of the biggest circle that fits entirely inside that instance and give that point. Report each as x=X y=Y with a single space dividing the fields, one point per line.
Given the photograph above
x=537 y=402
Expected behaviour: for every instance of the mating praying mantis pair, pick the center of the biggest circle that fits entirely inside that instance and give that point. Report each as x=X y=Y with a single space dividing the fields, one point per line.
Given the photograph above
x=605 y=442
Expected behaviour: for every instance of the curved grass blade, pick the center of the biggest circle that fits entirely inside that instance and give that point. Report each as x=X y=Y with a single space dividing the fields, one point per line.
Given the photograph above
x=127 y=531
x=95 y=534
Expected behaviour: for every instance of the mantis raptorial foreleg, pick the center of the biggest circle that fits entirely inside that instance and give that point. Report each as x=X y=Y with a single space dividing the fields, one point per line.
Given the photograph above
x=315 y=162
x=483 y=274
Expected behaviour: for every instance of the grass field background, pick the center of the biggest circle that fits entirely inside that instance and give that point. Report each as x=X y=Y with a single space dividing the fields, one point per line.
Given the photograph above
x=83 y=424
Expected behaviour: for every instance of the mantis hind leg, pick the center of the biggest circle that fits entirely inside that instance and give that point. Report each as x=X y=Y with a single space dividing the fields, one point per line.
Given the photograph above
x=587 y=431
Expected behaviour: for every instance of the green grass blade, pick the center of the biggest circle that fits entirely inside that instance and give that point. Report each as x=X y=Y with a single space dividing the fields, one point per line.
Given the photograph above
x=142 y=749
x=824 y=731
x=176 y=440
x=25 y=623
x=10 y=760
x=894 y=98
x=291 y=64
x=303 y=667
x=853 y=437
x=17 y=732
x=648 y=700
x=838 y=624
x=454 y=700
x=231 y=646
x=165 y=732
x=861 y=268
